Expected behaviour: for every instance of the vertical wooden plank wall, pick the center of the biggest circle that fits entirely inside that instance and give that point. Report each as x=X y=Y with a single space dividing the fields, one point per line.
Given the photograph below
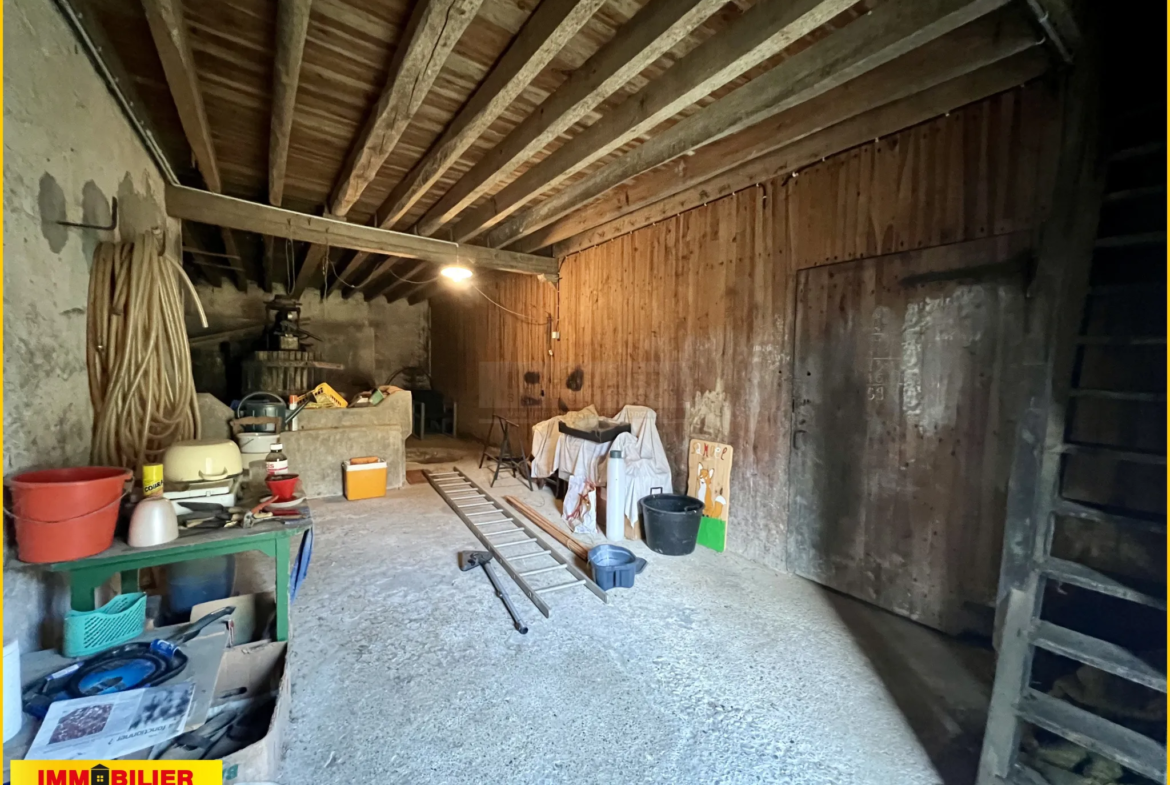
x=693 y=316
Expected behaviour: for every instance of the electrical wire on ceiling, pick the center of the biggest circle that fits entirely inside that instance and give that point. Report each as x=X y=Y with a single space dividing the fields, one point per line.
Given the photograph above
x=517 y=314
x=407 y=280
x=288 y=263
x=137 y=355
x=337 y=276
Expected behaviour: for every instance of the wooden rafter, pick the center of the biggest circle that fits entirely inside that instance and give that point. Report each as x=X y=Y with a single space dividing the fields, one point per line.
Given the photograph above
x=651 y=33
x=376 y=287
x=551 y=26
x=292 y=26
x=191 y=204
x=169 y=31
x=691 y=187
x=970 y=48
x=380 y=269
x=763 y=31
x=892 y=29
x=424 y=292
x=404 y=289
x=309 y=269
x=435 y=27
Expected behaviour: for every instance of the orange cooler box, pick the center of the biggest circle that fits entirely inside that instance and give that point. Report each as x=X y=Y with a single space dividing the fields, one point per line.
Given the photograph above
x=365 y=478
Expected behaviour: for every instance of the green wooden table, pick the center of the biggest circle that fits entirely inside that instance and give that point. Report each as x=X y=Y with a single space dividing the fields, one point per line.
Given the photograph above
x=269 y=537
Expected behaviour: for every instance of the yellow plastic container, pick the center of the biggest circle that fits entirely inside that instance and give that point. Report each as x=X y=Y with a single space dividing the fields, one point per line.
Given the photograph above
x=364 y=478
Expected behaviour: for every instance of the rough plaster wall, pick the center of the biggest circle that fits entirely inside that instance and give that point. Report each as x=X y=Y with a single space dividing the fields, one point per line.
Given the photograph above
x=372 y=339
x=67 y=151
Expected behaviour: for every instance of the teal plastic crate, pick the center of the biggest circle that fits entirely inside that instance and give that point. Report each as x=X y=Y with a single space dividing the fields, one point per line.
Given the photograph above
x=119 y=620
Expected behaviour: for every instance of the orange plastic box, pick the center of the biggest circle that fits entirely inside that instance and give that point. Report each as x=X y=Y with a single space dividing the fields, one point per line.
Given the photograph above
x=365 y=478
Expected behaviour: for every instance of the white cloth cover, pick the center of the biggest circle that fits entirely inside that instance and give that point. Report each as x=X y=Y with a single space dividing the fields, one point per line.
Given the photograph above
x=646 y=466
x=580 y=459
x=545 y=438
x=585 y=462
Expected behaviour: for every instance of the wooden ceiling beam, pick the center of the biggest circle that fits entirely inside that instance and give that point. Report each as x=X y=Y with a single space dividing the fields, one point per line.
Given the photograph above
x=292 y=27
x=889 y=31
x=651 y=33
x=434 y=28
x=553 y=24
x=310 y=270
x=763 y=31
x=191 y=204
x=971 y=48
x=169 y=31
x=691 y=188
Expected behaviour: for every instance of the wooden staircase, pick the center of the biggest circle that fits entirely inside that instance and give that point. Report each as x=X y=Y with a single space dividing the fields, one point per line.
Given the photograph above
x=1103 y=437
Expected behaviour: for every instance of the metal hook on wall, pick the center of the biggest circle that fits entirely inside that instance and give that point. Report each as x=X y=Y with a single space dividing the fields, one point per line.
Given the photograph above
x=113 y=219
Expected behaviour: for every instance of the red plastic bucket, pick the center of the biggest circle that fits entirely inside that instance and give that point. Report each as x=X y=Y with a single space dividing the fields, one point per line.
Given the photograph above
x=66 y=514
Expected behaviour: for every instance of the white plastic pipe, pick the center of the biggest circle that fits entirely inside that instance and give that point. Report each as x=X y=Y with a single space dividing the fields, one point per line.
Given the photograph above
x=615 y=495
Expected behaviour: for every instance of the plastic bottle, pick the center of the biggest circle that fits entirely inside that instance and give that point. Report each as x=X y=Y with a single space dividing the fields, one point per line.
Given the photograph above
x=615 y=494
x=275 y=462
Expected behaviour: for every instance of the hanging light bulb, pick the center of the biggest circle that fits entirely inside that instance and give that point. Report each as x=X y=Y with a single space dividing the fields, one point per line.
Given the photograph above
x=456 y=272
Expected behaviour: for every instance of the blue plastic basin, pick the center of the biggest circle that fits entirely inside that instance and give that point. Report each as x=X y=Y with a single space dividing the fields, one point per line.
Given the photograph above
x=614 y=567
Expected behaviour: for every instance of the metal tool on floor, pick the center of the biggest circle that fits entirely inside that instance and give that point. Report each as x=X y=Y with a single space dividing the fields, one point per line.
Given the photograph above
x=496 y=527
x=469 y=560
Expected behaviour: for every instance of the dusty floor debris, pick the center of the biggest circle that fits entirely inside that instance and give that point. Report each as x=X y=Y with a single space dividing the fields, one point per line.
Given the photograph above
x=712 y=669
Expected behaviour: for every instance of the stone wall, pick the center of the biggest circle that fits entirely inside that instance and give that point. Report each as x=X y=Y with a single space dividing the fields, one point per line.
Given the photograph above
x=68 y=151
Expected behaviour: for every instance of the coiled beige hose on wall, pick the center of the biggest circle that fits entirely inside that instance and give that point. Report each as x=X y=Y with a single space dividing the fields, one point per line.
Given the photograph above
x=138 y=357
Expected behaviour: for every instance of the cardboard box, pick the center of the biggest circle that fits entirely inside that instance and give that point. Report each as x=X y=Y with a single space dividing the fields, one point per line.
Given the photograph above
x=250 y=673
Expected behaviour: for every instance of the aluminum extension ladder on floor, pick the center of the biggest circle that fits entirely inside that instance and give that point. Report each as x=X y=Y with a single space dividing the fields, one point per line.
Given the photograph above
x=1014 y=701
x=496 y=527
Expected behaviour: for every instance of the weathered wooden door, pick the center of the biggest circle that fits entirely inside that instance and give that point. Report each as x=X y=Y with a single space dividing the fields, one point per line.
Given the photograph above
x=903 y=419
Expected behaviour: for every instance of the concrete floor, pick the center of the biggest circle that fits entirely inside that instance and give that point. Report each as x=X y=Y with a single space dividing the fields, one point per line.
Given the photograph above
x=710 y=670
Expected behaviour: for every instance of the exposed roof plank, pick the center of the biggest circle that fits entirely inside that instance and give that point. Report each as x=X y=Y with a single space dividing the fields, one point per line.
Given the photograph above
x=693 y=187
x=969 y=49
x=169 y=31
x=292 y=25
x=892 y=29
x=636 y=45
x=550 y=27
x=434 y=28
x=218 y=210
x=763 y=31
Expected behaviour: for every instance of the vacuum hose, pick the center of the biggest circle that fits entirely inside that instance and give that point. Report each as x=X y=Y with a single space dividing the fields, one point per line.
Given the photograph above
x=138 y=358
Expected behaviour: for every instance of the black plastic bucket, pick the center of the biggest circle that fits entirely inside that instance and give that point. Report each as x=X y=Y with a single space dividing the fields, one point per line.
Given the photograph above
x=670 y=522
